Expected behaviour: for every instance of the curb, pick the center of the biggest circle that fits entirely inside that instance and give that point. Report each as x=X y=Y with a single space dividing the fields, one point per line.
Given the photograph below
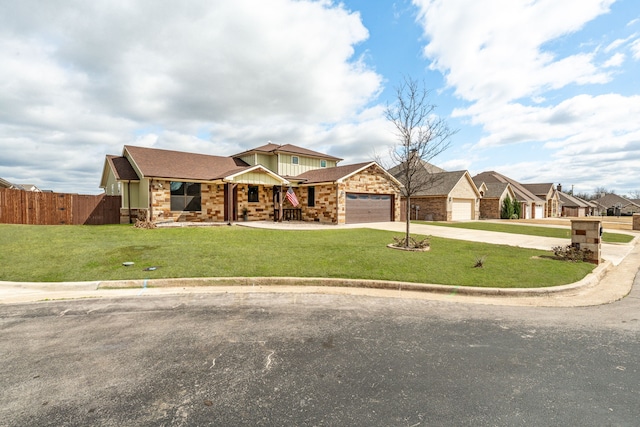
x=590 y=280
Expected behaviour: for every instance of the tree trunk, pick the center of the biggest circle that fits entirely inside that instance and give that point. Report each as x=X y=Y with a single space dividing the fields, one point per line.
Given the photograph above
x=408 y=209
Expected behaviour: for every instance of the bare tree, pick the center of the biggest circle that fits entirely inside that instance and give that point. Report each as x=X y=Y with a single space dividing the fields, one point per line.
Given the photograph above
x=601 y=191
x=422 y=135
x=635 y=195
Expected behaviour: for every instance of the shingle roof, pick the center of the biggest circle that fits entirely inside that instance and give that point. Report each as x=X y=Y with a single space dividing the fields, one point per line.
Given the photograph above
x=539 y=189
x=5 y=184
x=156 y=163
x=572 y=201
x=442 y=183
x=428 y=167
x=494 y=189
x=611 y=200
x=331 y=174
x=289 y=149
x=122 y=169
x=520 y=191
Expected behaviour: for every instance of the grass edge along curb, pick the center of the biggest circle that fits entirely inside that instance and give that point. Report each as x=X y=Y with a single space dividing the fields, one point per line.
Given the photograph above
x=589 y=280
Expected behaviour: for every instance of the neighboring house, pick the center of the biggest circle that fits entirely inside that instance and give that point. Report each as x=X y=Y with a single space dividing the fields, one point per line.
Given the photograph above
x=6 y=184
x=532 y=206
x=614 y=205
x=574 y=206
x=30 y=187
x=549 y=194
x=449 y=196
x=493 y=195
x=25 y=187
x=258 y=184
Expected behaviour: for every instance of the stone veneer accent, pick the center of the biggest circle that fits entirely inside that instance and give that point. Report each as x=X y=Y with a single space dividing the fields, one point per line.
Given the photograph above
x=371 y=180
x=325 y=204
x=261 y=210
x=586 y=234
x=330 y=200
x=212 y=204
x=136 y=213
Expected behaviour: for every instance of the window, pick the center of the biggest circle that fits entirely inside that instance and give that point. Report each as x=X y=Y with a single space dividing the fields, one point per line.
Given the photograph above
x=295 y=160
x=323 y=163
x=311 y=196
x=253 y=194
x=185 y=196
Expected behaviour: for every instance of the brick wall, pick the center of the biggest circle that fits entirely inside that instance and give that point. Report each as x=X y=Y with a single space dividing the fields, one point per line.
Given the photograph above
x=490 y=208
x=431 y=208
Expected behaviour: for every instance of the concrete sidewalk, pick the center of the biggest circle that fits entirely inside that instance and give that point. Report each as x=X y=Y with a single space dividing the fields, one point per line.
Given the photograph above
x=609 y=282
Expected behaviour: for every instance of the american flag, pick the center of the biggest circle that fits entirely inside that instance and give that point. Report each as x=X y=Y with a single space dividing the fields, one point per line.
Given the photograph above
x=291 y=197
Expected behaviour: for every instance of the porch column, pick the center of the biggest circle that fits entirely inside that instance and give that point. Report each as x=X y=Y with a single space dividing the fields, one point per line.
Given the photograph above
x=230 y=188
x=280 y=205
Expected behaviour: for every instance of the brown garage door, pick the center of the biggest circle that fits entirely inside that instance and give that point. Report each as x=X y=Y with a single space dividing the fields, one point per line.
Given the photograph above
x=368 y=208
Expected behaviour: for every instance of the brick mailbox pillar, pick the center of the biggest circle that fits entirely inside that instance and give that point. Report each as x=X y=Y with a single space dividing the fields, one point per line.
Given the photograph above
x=586 y=234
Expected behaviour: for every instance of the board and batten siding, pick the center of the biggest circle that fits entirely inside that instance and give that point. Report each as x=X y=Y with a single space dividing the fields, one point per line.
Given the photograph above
x=256 y=178
x=267 y=160
x=287 y=168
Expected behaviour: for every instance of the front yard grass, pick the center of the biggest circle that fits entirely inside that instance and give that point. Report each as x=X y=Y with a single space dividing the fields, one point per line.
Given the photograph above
x=529 y=230
x=86 y=253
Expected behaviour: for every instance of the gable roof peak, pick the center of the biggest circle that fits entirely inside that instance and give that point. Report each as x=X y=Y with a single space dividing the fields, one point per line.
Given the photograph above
x=271 y=148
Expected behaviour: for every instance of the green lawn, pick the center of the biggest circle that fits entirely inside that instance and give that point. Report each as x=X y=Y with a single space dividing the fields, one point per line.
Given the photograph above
x=530 y=230
x=82 y=253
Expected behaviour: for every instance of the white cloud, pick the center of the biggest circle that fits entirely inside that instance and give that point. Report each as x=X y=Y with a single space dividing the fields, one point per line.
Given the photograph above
x=529 y=87
x=635 y=49
x=89 y=77
x=494 y=50
x=615 y=61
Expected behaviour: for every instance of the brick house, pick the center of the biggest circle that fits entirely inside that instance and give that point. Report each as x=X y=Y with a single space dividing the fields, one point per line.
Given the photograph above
x=615 y=205
x=549 y=194
x=532 y=206
x=449 y=196
x=258 y=184
x=493 y=195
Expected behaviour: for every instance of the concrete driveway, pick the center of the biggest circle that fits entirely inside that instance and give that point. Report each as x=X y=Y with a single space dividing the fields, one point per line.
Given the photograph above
x=610 y=251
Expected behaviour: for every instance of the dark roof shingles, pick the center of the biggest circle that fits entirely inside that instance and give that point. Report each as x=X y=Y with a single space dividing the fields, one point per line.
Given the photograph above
x=156 y=163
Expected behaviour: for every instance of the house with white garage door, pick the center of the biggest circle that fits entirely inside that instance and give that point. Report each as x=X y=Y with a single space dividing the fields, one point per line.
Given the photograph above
x=449 y=196
x=532 y=206
x=270 y=182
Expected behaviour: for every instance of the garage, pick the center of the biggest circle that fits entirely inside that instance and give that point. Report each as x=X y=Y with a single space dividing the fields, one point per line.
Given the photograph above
x=462 y=210
x=368 y=208
x=539 y=212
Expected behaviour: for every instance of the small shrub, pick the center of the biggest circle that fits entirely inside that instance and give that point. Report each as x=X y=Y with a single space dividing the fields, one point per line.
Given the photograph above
x=480 y=262
x=144 y=224
x=507 y=208
x=571 y=253
x=413 y=243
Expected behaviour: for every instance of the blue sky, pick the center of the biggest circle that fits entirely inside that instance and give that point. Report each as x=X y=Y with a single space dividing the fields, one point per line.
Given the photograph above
x=539 y=90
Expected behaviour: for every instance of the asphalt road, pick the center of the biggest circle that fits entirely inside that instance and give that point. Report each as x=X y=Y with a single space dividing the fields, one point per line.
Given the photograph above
x=307 y=360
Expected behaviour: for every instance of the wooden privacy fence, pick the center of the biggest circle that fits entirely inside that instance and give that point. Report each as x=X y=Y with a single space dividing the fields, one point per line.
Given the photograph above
x=28 y=207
